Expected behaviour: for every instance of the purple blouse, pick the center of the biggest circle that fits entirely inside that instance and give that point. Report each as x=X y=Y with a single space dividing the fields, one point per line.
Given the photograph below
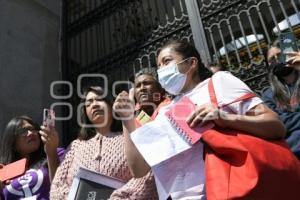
x=34 y=184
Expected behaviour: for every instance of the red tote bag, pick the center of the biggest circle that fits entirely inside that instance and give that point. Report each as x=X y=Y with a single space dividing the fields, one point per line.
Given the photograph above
x=240 y=166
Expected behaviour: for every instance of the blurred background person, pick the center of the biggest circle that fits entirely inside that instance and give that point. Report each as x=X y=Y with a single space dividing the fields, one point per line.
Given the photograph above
x=283 y=95
x=148 y=94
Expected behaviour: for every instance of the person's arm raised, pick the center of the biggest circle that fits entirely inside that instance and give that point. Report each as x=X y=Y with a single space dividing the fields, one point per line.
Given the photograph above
x=136 y=162
x=124 y=108
x=50 y=139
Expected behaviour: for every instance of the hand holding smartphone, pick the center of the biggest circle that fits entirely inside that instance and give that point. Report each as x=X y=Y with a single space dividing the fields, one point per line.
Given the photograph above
x=48 y=118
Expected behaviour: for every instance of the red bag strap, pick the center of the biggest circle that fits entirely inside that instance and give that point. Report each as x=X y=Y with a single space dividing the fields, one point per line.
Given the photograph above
x=213 y=97
x=212 y=93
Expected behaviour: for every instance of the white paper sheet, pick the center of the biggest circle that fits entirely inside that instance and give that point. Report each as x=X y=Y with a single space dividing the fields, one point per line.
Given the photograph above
x=158 y=141
x=177 y=166
x=182 y=175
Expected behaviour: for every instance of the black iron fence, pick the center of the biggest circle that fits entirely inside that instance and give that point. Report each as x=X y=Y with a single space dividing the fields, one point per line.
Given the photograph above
x=119 y=37
x=239 y=32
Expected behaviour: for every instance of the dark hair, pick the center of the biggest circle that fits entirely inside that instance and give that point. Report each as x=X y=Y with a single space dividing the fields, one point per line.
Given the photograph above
x=8 y=152
x=89 y=132
x=281 y=91
x=187 y=50
x=215 y=64
x=147 y=71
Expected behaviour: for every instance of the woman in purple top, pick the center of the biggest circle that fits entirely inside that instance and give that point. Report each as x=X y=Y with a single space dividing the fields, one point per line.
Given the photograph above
x=23 y=138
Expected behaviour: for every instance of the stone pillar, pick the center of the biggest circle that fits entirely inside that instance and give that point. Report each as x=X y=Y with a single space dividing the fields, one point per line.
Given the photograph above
x=29 y=59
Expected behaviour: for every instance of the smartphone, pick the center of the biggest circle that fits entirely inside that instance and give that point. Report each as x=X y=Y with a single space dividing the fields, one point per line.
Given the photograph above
x=13 y=170
x=288 y=43
x=48 y=118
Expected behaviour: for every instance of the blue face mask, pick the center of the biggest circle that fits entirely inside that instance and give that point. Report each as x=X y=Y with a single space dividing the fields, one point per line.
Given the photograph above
x=171 y=79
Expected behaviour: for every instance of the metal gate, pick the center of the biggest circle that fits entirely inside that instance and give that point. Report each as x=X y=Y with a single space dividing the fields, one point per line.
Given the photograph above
x=118 y=37
x=237 y=33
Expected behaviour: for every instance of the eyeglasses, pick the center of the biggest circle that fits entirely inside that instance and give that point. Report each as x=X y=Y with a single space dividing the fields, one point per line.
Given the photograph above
x=24 y=131
x=89 y=102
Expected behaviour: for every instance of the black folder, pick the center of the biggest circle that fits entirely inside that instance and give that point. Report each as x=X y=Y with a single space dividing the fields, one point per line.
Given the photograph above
x=88 y=184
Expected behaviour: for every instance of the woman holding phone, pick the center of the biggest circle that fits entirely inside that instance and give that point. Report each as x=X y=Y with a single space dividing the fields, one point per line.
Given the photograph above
x=23 y=138
x=283 y=95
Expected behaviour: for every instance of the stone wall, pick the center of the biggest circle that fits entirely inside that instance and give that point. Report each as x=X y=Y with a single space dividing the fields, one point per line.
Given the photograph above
x=29 y=59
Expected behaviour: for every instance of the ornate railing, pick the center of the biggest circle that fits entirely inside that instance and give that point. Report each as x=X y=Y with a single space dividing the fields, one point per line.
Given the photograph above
x=239 y=32
x=119 y=37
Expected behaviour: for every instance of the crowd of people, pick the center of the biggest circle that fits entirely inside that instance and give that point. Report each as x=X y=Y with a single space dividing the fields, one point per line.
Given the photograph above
x=105 y=144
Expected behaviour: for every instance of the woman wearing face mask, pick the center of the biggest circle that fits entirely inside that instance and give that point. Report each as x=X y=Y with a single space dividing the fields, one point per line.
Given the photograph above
x=283 y=96
x=100 y=149
x=181 y=73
